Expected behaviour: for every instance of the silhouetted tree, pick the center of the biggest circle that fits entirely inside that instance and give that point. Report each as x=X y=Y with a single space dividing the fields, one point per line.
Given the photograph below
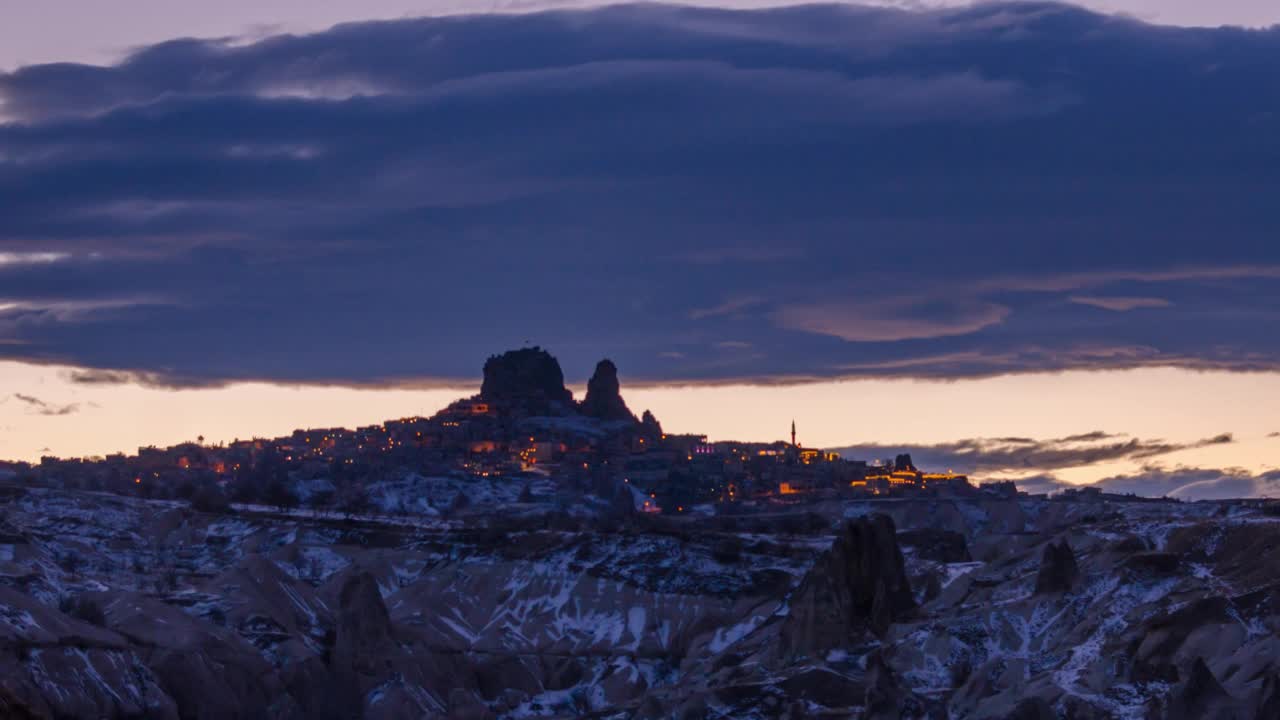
x=280 y=495
x=353 y=501
x=208 y=498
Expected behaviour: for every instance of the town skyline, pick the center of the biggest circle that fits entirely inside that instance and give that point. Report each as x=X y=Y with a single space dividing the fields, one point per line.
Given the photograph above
x=1226 y=453
x=525 y=425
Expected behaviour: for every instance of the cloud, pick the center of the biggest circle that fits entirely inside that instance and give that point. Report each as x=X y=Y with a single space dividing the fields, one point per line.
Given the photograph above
x=728 y=307
x=1120 y=304
x=1195 y=484
x=102 y=377
x=891 y=320
x=154 y=380
x=1188 y=484
x=853 y=191
x=1038 y=484
x=27 y=258
x=37 y=406
x=999 y=456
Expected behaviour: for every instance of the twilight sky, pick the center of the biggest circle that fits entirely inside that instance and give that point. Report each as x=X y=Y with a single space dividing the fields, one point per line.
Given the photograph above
x=100 y=32
x=958 y=210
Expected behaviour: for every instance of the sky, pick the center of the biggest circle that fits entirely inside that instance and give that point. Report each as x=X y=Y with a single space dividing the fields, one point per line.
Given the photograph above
x=907 y=226
x=100 y=32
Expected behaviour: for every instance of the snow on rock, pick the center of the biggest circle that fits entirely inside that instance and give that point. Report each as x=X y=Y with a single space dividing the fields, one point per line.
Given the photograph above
x=120 y=607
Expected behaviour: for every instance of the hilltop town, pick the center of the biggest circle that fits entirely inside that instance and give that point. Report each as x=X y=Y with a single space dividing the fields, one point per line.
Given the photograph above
x=524 y=425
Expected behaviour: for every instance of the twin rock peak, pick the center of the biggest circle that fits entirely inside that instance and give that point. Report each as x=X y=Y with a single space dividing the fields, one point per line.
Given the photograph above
x=530 y=381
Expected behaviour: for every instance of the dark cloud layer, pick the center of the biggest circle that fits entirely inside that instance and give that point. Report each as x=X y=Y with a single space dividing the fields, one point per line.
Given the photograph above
x=987 y=456
x=1183 y=483
x=701 y=194
x=1188 y=484
x=1196 y=483
x=36 y=406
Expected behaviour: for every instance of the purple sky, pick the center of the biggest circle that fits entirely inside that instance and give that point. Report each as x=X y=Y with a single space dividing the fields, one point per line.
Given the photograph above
x=96 y=32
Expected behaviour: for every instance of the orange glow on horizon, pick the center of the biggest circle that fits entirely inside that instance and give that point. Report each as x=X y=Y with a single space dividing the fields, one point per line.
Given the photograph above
x=1177 y=406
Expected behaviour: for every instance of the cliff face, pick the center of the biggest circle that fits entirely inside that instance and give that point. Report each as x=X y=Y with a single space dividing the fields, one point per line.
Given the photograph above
x=529 y=379
x=604 y=397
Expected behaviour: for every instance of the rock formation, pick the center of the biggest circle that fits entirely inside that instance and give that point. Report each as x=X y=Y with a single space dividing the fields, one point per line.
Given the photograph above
x=363 y=626
x=1202 y=697
x=1155 y=651
x=1269 y=702
x=528 y=380
x=884 y=694
x=604 y=400
x=859 y=585
x=944 y=546
x=902 y=463
x=1058 y=569
x=650 y=425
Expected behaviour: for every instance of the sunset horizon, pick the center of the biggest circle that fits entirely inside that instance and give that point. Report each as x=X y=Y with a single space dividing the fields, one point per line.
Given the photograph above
x=1224 y=444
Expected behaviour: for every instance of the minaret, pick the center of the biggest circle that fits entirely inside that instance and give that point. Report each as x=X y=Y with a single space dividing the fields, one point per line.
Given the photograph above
x=793 y=433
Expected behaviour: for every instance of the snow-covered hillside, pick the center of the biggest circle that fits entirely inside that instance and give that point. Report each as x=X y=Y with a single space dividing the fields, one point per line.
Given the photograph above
x=116 y=607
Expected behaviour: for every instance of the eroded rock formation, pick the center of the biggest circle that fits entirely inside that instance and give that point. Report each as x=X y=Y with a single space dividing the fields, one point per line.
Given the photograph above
x=1058 y=569
x=529 y=379
x=1202 y=697
x=944 y=546
x=858 y=586
x=604 y=398
x=559 y=613
x=650 y=424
